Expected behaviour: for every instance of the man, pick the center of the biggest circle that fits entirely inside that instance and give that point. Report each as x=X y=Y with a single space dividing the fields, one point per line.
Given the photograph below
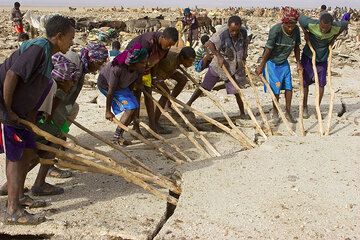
x=69 y=77
x=115 y=50
x=25 y=82
x=283 y=38
x=114 y=82
x=323 y=9
x=203 y=58
x=16 y=17
x=157 y=45
x=229 y=46
x=321 y=34
x=167 y=69
x=190 y=25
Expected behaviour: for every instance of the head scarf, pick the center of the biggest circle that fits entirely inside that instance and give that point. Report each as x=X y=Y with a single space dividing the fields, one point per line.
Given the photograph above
x=346 y=17
x=186 y=11
x=134 y=55
x=64 y=69
x=93 y=52
x=289 y=14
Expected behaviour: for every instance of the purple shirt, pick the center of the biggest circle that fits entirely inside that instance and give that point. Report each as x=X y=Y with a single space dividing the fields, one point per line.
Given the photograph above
x=29 y=67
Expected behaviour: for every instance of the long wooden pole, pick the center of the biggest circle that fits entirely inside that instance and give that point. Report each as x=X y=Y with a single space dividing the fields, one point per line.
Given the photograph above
x=246 y=104
x=332 y=92
x=221 y=108
x=63 y=162
x=141 y=166
x=74 y=147
x=257 y=99
x=147 y=142
x=242 y=138
x=210 y=147
x=301 y=103
x=118 y=171
x=317 y=89
x=182 y=130
x=164 y=141
x=280 y=111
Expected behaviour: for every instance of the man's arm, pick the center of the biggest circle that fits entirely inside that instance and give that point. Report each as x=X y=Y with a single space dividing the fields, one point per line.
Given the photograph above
x=212 y=49
x=264 y=59
x=297 y=56
x=10 y=83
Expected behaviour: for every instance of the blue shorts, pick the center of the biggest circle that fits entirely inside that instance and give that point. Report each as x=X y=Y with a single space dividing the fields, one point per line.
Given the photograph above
x=123 y=100
x=279 y=76
x=14 y=141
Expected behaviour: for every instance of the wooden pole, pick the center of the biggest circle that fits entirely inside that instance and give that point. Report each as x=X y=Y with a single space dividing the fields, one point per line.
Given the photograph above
x=218 y=104
x=147 y=142
x=182 y=130
x=74 y=147
x=141 y=166
x=64 y=163
x=164 y=141
x=213 y=151
x=317 y=89
x=118 y=171
x=281 y=113
x=332 y=92
x=111 y=144
x=246 y=104
x=301 y=104
x=257 y=98
x=242 y=138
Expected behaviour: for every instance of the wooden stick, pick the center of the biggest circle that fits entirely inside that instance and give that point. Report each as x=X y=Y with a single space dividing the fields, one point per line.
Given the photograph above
x=301 y=104
x=218 y=104
x=147 y=142
x=65 y=163
x=332 y=92
x=243 y=139
x=141 y=167
x=317 y=89
x=182 y=130
x=109 y=143
x=73 y=147
x=164 y=141
x=65 y=144
x=213 y=151
x=246 y=104
x=280 y=111
x=257 y=98
x=118 y=171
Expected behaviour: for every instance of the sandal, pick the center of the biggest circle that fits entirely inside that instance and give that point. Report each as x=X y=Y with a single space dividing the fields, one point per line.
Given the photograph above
x=58 y=173
x=4 y=192
x=47 y=190
x=22 y=217
x=27 y=201
x=121 y=141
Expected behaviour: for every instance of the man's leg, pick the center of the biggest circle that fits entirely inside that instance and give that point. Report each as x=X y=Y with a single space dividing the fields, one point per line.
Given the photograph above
x=305 y=102
x=126 y=119
x=321 y=93
x=288 y=98
x=149 y=104
x=136 y=114
x=162 y=101
x=16 y=172
x=241 y=106
x=194 y=96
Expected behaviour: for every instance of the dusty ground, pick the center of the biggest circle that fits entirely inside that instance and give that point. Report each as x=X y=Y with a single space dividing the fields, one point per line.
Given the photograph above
x=300 y=190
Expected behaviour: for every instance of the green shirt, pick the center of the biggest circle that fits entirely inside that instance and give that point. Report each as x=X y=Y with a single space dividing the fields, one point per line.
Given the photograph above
x=320 y=41
x=282 y=44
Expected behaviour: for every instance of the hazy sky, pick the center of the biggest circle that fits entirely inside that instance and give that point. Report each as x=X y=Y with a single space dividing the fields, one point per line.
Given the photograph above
x=177 y=3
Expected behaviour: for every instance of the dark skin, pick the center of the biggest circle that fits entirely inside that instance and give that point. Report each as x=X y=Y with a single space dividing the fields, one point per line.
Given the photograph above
x=16 y=170
x=234 y=31
x=66 y=86
x=324 y=28
x=127 y=115
x=288 y=28
x=181 y=82
x=165 y=44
